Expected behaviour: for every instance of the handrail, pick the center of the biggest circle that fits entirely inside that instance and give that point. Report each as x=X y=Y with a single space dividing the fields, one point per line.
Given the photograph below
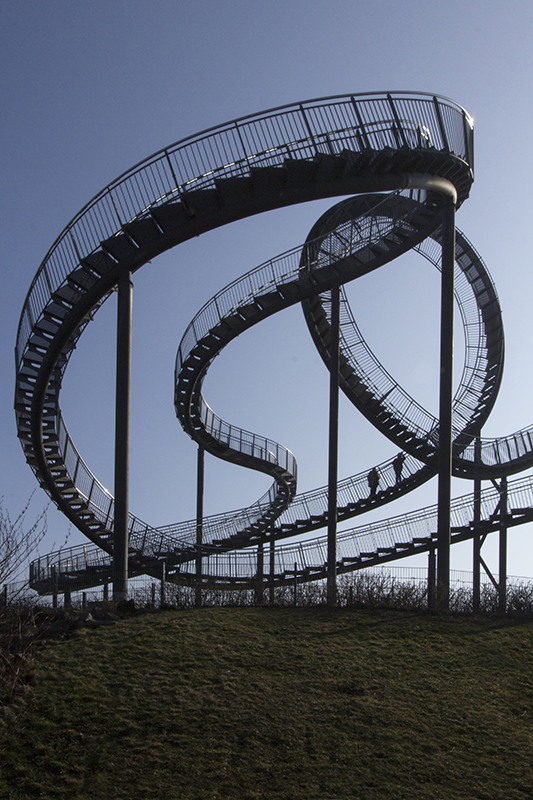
x=387 y=533
x=347 y=127
x=194 y=162
x=475 y=386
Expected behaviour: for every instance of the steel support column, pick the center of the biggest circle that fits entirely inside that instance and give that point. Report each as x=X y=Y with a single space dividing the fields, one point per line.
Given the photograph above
x=272 y=567
x=445 y=406
x=199 y=523
x=334 y=357
x=122 y=437
x=502 y=570
x=476 y=551
x=432 y=565
x=163 y=582
x=260 y=575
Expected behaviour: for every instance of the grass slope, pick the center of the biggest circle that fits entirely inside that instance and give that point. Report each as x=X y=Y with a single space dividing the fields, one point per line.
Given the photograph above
x=278 y=703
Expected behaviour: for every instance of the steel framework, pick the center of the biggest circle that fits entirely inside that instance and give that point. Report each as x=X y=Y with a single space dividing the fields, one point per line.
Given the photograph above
x=416 y=148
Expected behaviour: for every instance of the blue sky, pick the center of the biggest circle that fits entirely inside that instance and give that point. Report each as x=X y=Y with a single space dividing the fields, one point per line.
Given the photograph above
x=90 y=88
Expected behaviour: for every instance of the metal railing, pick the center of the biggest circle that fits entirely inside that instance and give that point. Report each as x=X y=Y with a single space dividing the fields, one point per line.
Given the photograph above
x=477 y=388
x=346 y=125
x=325 y=126
x=312 y=555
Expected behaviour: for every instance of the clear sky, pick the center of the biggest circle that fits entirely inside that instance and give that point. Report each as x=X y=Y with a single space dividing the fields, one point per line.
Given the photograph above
x=88 y=89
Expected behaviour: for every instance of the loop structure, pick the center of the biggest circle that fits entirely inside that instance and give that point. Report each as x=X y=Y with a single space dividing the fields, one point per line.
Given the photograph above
x=396 y=153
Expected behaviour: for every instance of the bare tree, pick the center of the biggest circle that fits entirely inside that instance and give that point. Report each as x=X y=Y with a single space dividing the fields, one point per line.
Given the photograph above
x=18 y=540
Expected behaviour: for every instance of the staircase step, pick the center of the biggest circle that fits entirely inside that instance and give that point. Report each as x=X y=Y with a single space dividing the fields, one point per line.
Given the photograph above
x=170 y=217
x=47 y=327
x=202 y=202
x=329 y=167
x=120 y=247
x=145 y=232
x=357 y=162
x=300 y=172
x=66 y=295
x=81 y=279
x=267 y=180
x=99 y=262
x=268 y=300
x=249 y=311
x=234 y=191
x=289 y=291
x=54 y=311
x=28 y=371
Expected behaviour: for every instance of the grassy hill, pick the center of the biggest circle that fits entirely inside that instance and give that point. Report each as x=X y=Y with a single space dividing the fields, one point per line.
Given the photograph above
x=277 y=703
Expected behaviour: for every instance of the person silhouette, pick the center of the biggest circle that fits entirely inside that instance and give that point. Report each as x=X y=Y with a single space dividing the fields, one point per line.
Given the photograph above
x=373 y=481
x=398 y=466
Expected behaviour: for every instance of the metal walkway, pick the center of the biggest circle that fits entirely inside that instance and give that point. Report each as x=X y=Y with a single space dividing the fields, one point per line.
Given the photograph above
x=403 y=144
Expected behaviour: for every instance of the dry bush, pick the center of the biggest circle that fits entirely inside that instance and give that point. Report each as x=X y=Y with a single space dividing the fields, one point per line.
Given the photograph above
x=18 y=540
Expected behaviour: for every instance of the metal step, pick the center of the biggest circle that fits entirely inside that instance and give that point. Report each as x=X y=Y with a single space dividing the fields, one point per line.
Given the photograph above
x=120 y=247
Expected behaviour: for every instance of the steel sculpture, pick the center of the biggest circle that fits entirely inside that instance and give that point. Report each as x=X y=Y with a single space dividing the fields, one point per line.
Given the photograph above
x=405 y=157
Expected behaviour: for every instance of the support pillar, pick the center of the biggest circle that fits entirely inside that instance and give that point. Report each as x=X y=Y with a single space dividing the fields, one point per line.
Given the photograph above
x=122 y=437
x=432 y=567
x=272 y=569
x=445 y=406
x=199 y=524
x=55 y=583
x=259 y=576
x=163 y=583
x=502 y=572
x=334 y=358
x=476 y=550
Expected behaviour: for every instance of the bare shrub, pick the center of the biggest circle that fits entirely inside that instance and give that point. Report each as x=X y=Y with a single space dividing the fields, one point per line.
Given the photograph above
x=18 y=540
x=520 y=599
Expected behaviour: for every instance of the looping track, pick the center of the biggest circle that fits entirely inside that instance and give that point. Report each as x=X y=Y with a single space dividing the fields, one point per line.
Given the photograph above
x=406 y=145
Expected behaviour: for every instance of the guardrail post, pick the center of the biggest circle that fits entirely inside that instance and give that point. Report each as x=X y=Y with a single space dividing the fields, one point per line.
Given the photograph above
x=295 y=598
x=445 y=405
x=122 y=437
x=334 y=357
x=106 y=591
x=199 y=524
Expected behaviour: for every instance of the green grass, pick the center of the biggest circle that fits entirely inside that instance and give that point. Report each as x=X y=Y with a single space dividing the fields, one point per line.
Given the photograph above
x=278 y=703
